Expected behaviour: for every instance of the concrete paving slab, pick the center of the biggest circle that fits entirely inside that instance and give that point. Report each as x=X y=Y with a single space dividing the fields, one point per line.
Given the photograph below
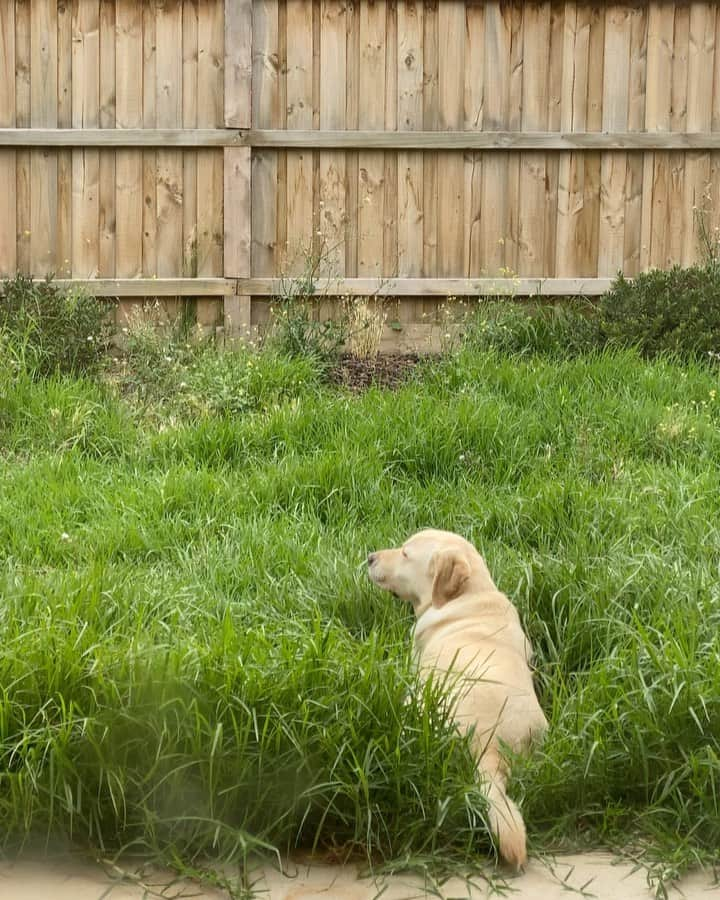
x=595 y=874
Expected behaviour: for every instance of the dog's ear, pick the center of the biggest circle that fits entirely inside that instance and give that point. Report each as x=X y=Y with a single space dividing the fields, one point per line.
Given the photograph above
x=450 y=572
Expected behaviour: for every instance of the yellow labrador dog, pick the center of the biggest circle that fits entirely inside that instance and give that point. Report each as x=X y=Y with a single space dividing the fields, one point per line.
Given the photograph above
x=466 y=627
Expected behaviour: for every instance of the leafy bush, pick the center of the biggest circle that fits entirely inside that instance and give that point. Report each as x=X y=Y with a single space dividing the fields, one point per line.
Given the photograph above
x=47 y=330
x=675 y=311
x=555 y=331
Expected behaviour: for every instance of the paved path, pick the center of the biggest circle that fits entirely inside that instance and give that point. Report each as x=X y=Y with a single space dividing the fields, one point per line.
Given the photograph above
x=596 y=874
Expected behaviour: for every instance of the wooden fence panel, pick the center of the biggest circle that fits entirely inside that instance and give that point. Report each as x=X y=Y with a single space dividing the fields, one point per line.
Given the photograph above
x=448 y=65
x=90 y=212
x=263 y=70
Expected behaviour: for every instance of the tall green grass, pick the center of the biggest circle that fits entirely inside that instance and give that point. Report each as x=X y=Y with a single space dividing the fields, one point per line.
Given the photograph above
x=194 y=663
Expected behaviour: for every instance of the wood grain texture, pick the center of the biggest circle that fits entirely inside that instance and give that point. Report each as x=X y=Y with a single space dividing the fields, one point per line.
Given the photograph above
x=237 y=204
x=43 y=112
x=423 y=137
x=371 y=116
x=8 y=196
x=210 y=232
x=616 y=84
x=168 y=107
x=150 y=120
x=266 y=114
x=451 y=107
x=299 y=184
x=129 y=114
x=238 y=63
x=22 y=120
x=494 y=177
x=294 y=139
x=191 y=200
x=533 y=168
x=636 y=122
x=332 y=207
x=410 y=118
x=107 y=213
x=436 y=287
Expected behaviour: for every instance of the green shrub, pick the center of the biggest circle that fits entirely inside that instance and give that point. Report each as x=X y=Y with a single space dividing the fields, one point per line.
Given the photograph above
x=675 y=311
x=46 y=330
x=555 y=331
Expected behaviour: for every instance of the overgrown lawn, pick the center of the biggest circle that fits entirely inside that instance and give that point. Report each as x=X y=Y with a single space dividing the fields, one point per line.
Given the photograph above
x=194 y=663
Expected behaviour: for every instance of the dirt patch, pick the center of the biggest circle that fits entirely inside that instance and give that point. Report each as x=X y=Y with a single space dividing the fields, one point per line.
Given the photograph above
x=389 y=370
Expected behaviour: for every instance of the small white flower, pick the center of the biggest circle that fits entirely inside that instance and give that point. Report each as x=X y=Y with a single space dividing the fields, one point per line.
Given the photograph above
x=64 y=536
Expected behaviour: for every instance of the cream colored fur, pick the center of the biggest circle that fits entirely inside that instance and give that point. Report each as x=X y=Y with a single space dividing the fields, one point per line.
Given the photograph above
x=468 y=628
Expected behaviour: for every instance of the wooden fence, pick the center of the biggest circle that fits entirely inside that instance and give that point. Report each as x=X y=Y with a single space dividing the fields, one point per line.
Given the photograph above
x=198 y=147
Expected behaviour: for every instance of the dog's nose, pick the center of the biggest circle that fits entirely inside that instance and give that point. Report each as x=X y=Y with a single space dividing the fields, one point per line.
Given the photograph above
x=371 y=558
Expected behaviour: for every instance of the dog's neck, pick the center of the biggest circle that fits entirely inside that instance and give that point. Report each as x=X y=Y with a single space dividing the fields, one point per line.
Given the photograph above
x=480 y=589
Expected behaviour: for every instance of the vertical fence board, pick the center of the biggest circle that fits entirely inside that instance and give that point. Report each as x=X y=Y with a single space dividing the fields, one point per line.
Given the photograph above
x=474 y=52
x=592 y=162
x=150 y=120
x=679 y=220
x=390 y=176
x=352 y=113
x=65 y=156
x=299 y=115
x=8 y=195
x=238 y=63
x=209 y=162
x=513 y=117
x=616 y=84
x=22 y=120
x=636 y=122
x=86 y=162
x=43 y=113
x=535 y=62
x=371 y=114
x=701 y=58
x=129 y=163
x=494 y=176
x=237 y=164
x=265 y=114
x=332 y=201
x=192 y=197
x=451 y=96
x=107 y=119
x=169 y=183
x=552 y=161
x=410 y=118
x=658 y=101
x=430 y=123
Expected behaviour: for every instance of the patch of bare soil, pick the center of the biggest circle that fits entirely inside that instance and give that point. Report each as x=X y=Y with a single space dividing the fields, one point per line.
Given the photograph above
x=389 y=370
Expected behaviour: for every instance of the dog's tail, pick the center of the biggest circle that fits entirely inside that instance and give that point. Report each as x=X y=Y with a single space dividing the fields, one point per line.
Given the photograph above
x=504 y=817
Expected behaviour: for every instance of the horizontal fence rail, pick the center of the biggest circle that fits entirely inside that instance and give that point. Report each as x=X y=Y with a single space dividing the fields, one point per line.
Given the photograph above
x=342 y=287
x=358 y=140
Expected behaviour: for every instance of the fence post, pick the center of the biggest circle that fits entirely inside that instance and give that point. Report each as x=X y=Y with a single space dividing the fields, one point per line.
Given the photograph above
x=237 y=162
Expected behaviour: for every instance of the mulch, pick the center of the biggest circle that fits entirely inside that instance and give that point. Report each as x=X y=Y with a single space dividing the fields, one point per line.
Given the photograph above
x=389 y=370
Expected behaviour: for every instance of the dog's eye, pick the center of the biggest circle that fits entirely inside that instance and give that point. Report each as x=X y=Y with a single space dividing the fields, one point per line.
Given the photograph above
x=404 y=553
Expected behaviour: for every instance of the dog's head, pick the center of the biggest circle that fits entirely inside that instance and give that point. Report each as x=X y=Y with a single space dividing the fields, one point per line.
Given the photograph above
x=430 y=569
